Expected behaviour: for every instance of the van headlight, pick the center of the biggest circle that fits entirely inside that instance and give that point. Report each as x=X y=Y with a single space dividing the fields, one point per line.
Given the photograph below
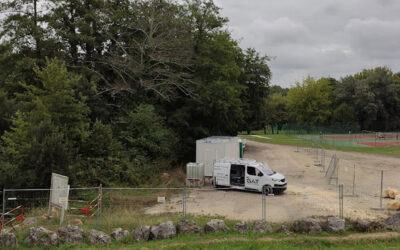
x=275 y=179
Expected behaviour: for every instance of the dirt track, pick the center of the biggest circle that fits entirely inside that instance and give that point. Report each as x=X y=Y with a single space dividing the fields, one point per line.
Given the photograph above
x=308 y=193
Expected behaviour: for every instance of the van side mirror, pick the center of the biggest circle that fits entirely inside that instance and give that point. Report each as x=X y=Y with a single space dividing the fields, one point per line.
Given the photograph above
x=260 y=174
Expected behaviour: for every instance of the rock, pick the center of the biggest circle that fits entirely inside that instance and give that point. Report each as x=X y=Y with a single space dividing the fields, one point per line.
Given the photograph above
x=188 y=227
x=307 y=225
x=366 y=226
x=42 y=237
x=284 y=229
x=71 y=234
x=98 y=237
x=30 y=221
x=376 y=225
x=118 y=233
x=361 y=225
x=215 y=225
x=393 y=222
x=8 y=240
x=241 y=227
x=163 y=230
x=261 y=226
x=334 y=225
x=141 y=233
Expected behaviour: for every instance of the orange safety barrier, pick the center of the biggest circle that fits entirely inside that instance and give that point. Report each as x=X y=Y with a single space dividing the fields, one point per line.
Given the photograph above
x=19 y=218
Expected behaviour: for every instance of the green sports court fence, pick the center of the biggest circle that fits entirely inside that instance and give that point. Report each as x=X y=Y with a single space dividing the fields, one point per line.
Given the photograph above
x=343 y=135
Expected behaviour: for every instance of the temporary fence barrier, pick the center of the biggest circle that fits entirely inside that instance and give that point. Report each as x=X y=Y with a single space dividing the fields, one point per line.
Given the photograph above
x=19 y=218
x=90 y=208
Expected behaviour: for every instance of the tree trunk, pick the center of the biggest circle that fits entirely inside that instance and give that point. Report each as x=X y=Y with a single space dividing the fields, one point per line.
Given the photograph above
x=36 y=29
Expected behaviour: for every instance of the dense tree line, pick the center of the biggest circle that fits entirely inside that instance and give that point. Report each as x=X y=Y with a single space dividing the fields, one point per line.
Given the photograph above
x=369 y=100
x=116 y=91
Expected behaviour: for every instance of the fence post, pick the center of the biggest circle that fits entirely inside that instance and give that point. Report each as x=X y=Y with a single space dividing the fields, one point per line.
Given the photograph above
x=381 y=193
x=341 y=201
x=184 y=203
x=263 y=204
x=4 y=210
x=354 y=179
x=62 y=215
x=99 y=203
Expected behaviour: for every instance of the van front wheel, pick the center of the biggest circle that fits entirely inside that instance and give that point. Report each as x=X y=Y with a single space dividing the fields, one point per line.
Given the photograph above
x=267 y=189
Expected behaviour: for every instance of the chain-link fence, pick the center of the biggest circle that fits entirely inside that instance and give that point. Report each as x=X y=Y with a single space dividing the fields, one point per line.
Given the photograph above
x=366 y=185
x=334 y=185
x=132 y=207
x=343 y=135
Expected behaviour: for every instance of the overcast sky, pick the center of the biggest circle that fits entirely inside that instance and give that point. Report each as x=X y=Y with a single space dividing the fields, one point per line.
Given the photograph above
x=317 y=37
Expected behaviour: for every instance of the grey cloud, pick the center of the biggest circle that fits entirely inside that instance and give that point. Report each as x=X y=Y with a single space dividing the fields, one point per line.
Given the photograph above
x=318 y=38
x=377 y=38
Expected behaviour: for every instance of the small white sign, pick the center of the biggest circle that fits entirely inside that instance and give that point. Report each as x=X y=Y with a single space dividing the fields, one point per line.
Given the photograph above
x=63 y=200
x=345 y=169
x=161 y=199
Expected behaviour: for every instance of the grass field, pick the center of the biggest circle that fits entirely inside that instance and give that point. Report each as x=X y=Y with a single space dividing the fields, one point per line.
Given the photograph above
x=284 y=139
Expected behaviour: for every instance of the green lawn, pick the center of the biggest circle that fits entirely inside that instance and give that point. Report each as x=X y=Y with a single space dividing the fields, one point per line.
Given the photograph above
x=279 y=139
x=284 y=139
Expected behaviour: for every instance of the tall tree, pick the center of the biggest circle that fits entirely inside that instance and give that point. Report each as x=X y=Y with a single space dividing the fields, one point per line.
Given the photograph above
x=153 y=50
x=276 y=111
x=374 y=96
x=47 y=133
x=256 y=76
x=310 y=102
x=21 y=26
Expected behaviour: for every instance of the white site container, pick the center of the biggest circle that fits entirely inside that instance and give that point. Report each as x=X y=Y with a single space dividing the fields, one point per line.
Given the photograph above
x=194 y=171
x=214 y=148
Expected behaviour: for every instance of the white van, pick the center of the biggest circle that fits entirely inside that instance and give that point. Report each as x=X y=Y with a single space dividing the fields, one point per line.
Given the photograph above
x=247 y=174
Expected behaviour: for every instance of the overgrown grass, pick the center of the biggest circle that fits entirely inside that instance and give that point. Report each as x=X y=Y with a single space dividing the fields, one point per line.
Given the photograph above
x=240 y=241
x=284 y=139
x=130 y=218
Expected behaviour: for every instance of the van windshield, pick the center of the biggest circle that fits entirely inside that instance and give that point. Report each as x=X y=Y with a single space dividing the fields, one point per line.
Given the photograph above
x=265 y=168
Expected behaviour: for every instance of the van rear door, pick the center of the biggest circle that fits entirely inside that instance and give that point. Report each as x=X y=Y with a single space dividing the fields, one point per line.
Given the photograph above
x=221 y=173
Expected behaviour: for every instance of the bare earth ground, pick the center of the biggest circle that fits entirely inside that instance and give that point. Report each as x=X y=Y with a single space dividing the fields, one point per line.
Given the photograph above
x=308 y=193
